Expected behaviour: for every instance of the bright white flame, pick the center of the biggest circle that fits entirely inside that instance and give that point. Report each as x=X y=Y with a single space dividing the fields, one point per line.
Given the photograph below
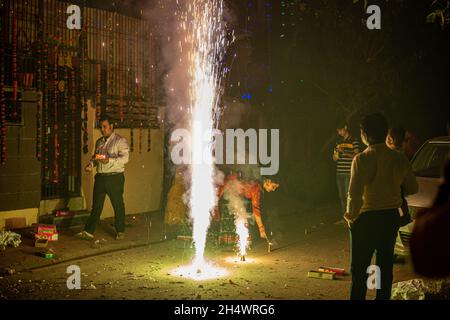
x=232 y=194
x=207 y=272
x=242 y=231
x=206 y=42
x=236 y=260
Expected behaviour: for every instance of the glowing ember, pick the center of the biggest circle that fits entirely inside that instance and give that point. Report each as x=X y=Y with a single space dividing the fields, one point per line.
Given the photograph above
x=206 y=43
x=208 y=271
x=235 y=259
x=270 y=186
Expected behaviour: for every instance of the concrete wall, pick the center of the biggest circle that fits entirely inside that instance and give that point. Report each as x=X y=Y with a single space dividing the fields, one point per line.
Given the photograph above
x=20 y=176
x=143 y=177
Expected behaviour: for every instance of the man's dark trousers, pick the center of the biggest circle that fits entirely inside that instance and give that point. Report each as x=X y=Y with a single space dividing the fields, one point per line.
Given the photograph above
x=342 y=182
x=111 y=185
x=373 y=231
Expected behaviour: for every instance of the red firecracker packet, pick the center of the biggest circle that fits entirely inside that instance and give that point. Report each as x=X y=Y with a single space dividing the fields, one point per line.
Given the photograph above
x=100 y=156
x=337 y=271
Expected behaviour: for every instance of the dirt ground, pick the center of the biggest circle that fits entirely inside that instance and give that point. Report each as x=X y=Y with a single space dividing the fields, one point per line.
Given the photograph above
x=146 y=272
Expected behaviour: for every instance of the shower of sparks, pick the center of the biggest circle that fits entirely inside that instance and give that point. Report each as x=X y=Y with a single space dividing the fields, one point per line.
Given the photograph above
x=208 y=272
x=205 y=43
x=234 y=260
x=242 y=231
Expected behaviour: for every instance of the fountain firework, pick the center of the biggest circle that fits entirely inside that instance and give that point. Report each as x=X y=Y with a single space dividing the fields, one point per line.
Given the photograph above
x=205 y=43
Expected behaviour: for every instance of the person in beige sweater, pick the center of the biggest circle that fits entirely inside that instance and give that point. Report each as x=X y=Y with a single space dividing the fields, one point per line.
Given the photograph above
x=378 y=176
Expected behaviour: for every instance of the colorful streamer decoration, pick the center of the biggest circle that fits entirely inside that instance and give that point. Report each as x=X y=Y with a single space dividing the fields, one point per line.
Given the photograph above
x=149 y=139
x=55 y=120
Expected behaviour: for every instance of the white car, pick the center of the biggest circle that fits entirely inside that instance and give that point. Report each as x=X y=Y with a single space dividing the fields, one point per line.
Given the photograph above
x=427 y=164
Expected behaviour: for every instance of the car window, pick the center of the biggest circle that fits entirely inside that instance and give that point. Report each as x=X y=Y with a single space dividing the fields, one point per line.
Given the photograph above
x=430 y=160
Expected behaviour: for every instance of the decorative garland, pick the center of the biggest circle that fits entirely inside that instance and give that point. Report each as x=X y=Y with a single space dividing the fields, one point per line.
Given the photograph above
x=40 y=94
x=55 y=123
x=149 y=139
x=131 y=140
x=2 y=98
x=110 y=66
x=99 y=91
x=39 y=127
x=121 y=101
x=63 y=88
x=83 y=99
x=45 y=111
x=14 y=64
x=73 y=109
x=2 y=105
x=130 y=95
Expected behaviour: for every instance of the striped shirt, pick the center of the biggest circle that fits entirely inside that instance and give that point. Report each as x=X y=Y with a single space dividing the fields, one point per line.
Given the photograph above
x=346 y=150
x=116 y=149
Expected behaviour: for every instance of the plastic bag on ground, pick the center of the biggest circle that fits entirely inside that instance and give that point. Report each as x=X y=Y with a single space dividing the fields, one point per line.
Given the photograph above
x=8 y=238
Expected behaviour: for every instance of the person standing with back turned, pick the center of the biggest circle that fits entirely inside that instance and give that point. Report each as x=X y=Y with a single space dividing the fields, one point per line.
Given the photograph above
x=378 y=176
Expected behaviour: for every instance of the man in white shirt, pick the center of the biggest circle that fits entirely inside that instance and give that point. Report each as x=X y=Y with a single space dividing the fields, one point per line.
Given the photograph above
x=378 y=176
x=111 y=155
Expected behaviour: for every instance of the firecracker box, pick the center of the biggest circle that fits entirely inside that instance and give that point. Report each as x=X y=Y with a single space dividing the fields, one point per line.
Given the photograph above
x=100 y=156
x=46 y=255
x=64 y=213
x=46 y=231
x=339 y=271
x=49 y=237
x=321 y=275
x=41 y=242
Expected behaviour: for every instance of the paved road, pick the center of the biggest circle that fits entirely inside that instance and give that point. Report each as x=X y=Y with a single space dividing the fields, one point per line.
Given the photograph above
x=146 y=272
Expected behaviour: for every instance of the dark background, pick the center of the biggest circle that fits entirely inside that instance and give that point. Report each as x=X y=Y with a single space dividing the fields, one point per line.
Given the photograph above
x=304 y=66
x=309 y=65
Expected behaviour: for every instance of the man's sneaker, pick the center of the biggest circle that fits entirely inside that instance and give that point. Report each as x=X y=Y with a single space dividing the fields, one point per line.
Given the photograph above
x=84 y=235
x=120 y=236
